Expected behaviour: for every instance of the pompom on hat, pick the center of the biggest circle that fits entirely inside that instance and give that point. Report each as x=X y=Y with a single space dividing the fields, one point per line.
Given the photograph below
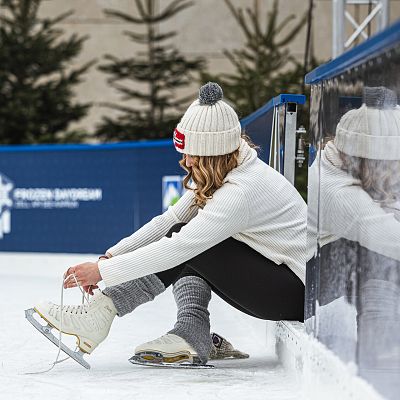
x=209 y=127
x=373 y=130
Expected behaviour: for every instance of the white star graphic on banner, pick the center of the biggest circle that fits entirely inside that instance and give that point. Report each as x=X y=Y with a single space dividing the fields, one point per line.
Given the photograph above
x=5 y=194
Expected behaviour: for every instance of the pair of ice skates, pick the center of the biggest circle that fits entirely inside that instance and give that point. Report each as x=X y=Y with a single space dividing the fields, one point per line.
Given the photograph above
x=90 y=324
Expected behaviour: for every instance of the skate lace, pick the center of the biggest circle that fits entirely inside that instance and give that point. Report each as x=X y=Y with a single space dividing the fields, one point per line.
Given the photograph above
x=80 y=308
x=77 y=309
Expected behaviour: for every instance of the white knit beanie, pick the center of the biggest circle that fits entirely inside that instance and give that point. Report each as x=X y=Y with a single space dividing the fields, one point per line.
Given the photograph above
x=373 y=130
x=209 y=127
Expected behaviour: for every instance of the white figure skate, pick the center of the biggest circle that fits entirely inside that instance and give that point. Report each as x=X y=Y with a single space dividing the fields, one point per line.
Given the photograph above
x=90 y=323
x=167 y=351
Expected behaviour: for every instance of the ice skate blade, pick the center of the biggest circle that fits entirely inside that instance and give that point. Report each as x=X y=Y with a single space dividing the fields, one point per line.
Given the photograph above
x=229 y=356
x=46 y=331
x=138 y=360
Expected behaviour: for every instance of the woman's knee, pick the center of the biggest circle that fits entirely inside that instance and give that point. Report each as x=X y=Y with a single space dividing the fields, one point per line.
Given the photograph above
x=188 y=271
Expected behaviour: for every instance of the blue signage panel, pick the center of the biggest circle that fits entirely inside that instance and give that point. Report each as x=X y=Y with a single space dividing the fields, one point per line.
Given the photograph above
x=80 y=198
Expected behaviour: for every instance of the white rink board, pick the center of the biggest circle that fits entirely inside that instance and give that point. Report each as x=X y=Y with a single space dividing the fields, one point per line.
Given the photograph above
x=321 y=373
x=27 y=278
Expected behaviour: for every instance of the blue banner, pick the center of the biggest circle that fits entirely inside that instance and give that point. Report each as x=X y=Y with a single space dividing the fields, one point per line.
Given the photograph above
x=81 y=198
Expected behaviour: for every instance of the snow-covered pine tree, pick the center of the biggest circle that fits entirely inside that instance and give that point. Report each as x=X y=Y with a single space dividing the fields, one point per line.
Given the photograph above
x=36 y=81
x=160 y=66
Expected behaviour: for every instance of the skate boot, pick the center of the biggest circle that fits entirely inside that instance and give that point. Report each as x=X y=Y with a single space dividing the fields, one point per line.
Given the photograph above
x=90 y=323
x=168 y=350
x=188 y=345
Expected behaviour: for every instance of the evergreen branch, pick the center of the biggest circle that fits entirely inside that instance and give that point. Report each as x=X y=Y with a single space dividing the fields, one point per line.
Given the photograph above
x=271 y=22
x=57 y=58
x=150 y=6
x=141 y=10
x=137 y=37
x=144 y=39
x=238 y=62
x=73 y=136
x=284 y=23
x=245 y=54
x=182 y=101
x=238 y=15
x=131 y=93
x=174 y=8
x=11 y=5
x=120 y=68
x=293 y=33
x=164 y=36
x=233 y=11
x=24 y=7
x=76 y=73
x=48 y=22
x=254 y=18
x=5 y=20
x=125 y=17
x=249 y=34
x=117 y=107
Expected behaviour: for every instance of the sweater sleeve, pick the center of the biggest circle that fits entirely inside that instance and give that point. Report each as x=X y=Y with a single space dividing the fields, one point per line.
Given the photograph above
x=359 y=218
x=181 y=211
x=223 y=216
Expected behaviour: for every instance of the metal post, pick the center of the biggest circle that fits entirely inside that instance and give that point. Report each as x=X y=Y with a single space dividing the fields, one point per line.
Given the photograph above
x=384 y=15
x=290 y=141
x=274 y=160
x=338 y=27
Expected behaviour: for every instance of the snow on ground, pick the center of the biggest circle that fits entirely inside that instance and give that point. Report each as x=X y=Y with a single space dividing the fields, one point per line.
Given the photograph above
x=27 y=278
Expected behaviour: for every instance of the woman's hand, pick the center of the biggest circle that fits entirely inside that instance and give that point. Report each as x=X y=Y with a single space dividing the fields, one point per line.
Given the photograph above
x=89 y=289
x=105 y=256
x=87 y=275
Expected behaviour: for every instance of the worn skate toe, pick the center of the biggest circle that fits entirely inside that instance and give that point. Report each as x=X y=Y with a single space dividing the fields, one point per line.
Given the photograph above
x=170 y=349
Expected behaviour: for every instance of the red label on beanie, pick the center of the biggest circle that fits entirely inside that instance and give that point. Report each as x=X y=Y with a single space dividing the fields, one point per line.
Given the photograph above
x=179 y=139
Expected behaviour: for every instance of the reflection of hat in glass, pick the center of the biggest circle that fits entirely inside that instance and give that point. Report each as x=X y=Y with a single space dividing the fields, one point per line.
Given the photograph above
x=209 y=127
x=373 y=130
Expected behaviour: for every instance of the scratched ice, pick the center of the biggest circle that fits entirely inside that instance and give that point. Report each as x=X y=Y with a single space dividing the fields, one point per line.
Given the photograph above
x=27 y=278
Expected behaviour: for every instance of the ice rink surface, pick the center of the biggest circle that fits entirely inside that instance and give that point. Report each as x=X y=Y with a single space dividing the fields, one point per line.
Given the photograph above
x=27 y=278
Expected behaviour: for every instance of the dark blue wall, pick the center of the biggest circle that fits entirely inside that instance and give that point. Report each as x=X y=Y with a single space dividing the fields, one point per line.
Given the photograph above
x=129 y=176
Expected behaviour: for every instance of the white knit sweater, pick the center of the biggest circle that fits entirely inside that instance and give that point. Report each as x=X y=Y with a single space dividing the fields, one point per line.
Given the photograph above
x=341 y=208
x=255 y=205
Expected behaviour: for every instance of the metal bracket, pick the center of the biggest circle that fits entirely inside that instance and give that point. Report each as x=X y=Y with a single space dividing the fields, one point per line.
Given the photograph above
x=300 y=158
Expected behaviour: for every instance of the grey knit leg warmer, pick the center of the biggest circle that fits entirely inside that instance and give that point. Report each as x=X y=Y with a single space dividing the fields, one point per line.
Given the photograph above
x=129 y=295
x=192 y=295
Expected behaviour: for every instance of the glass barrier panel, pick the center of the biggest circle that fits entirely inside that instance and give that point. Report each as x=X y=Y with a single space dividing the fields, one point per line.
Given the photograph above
x=353 y=272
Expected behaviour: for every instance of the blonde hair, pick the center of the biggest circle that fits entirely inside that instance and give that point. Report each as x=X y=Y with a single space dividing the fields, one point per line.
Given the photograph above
x=379 y=178
x=208 y=173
